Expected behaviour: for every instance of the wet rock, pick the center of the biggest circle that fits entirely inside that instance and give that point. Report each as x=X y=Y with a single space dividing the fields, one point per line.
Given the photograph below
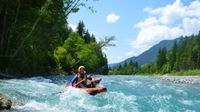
x=5 y=102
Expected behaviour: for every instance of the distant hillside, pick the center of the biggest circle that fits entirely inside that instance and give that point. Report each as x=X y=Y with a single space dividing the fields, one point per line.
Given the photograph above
x=113 y=65
x=149 y=55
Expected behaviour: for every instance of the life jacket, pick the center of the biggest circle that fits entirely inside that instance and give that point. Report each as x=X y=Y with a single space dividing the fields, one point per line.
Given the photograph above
x=85 y=84
x=82 y=84
x=79 y=79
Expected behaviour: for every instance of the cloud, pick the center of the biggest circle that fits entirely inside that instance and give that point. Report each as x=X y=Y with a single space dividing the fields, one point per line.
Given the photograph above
x=72 y=26
x=169 y=13
x=168 y=22
x=151 y=21
x=130 y=53
x=191 y=25
x=154 y=33
x=112 y=18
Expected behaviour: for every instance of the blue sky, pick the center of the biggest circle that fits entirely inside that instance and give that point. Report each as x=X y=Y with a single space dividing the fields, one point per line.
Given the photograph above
x=138 y=25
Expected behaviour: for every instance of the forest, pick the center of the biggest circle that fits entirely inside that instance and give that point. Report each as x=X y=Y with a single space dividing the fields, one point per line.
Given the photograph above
x=35 y=39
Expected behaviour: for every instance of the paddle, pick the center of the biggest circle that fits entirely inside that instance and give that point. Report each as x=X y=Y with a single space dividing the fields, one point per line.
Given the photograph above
x=79 y=82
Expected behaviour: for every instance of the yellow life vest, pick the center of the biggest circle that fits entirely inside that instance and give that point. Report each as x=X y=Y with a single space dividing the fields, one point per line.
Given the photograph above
x=81 y=85
x=79 y=79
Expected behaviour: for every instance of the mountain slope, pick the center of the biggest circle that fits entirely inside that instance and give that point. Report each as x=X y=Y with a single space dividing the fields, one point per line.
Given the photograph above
x=149 y=55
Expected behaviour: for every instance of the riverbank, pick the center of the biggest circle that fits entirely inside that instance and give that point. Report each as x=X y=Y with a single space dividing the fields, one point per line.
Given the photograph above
x=187 y=73
x=189 y=77
x=195 y=72
x=186 y=77
x=181 y=79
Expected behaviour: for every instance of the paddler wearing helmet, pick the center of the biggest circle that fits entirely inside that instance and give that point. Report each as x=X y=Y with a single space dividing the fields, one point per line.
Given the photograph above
x=80 y=79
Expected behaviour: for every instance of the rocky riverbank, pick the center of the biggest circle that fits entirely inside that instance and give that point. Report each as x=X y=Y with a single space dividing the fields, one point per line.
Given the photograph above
x=181 y=79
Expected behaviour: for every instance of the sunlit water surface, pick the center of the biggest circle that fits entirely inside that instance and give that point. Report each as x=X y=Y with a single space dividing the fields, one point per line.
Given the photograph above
x=125 y=94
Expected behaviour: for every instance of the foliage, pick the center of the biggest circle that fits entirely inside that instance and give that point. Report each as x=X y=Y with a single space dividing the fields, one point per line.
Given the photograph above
x=78 y=50
x=188 y=72
x=34 y=37
x=128 y=69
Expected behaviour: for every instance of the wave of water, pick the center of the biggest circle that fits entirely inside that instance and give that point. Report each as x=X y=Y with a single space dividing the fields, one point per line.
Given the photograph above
x=125 y=94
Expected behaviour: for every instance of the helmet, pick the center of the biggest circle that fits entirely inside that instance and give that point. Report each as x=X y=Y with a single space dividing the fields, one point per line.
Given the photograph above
x=79 y=68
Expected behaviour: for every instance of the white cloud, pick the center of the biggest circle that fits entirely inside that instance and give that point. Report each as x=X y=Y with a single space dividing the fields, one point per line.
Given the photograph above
x=112 y=18
x=191 y=25
x=130 y=53
x=73 y=26
x=169 y=13
x=151 y=21
x=168 y=22
x=152 y=34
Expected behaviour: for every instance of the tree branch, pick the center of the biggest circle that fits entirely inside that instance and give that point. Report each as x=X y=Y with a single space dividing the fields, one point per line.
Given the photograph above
x=70 y=10
x=4 y=29
x=27 y=36
x=46 y=4
x=13 y=28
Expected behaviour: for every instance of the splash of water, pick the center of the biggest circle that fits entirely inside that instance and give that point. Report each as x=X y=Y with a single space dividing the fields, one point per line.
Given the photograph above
x=125 y=93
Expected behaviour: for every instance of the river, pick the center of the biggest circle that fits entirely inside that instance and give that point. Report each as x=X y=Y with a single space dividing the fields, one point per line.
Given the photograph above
x=125 y=94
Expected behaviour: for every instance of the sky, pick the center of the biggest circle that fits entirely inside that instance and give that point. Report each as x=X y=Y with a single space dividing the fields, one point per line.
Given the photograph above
x=138 y=24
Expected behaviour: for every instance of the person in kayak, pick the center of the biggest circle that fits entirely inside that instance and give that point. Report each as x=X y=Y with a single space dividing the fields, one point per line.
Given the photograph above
x=81 y=80
x=90 y=82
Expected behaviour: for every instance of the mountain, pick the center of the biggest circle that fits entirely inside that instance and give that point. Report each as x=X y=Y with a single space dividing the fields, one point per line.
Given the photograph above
x=149 y=55
x=112 y=65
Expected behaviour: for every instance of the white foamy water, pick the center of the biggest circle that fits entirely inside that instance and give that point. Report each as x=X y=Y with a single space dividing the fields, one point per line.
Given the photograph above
x=125 y=94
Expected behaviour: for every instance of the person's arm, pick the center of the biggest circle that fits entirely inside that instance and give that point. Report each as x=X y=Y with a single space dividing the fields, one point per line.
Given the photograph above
x=71 y=82
x=74 y=80
x=75 y=85
x=95 y=80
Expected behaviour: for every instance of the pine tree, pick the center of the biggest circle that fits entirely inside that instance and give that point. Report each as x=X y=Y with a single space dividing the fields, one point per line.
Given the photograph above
x=87 y=37
x=172 y=58
x=81 y=29
x=161 y=58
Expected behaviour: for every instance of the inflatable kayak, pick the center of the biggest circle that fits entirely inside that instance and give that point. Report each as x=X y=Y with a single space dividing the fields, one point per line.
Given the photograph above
x=94 y=91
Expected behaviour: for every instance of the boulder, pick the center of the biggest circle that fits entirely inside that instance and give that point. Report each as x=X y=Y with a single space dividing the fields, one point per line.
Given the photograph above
x=5 y=102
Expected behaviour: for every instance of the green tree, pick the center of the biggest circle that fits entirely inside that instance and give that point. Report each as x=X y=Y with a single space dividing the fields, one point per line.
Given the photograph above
x=172 y=58
x=81 y=29
x=87 y=37
x=161 y=58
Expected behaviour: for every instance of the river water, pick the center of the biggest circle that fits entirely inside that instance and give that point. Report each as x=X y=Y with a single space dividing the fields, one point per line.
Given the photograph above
x=125 y=94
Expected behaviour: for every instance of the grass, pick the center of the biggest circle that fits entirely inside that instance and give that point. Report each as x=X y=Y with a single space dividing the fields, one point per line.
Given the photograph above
x=187 y=73
x=195 y=72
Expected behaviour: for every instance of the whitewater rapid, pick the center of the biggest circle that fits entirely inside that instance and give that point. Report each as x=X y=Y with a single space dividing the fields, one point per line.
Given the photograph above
x=125 y=94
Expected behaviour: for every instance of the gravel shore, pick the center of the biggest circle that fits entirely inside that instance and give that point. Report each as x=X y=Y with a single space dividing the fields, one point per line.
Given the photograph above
x=181 y=79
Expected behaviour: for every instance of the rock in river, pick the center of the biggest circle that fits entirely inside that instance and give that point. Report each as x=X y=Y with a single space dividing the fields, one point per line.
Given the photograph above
x=5 y=102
